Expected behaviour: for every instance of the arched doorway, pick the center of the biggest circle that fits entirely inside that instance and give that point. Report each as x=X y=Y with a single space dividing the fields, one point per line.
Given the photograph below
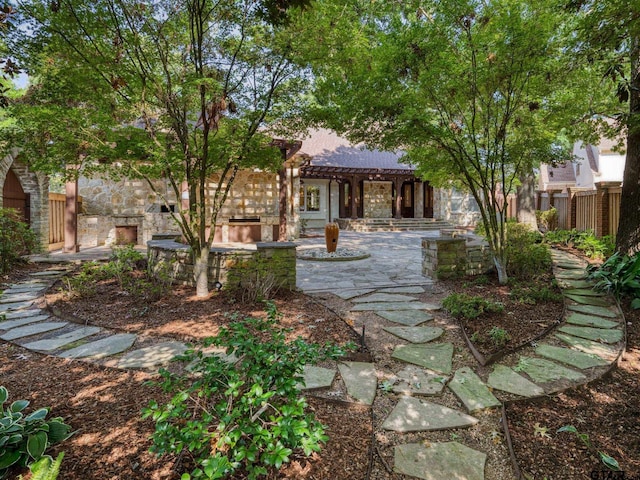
x=13 y=196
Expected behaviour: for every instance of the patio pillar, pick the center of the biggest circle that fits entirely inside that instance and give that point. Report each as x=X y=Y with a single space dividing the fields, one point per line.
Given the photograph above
x=354 y=209
x=71 y=215
x=398 y=199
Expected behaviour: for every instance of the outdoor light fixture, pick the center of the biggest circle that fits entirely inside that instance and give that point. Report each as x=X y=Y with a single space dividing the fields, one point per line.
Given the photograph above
x=218 y=286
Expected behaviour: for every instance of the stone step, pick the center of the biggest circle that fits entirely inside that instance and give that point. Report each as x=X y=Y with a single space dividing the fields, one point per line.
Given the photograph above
x=394 y=306
x=585 y=292
x=28 y=312
x=105 y=347
x=571 y=357
x=416 y=381
x=596 y=334
x=412 y=334
x=570 y=274
x=19 y=322
x=317 y=377
x=31 y=329
x=472 y=391
x=575 y=283
x=152 y=356
x=436 y=356
x=607 y=312
x=360 y=379
x=59 y=341
x=405 y=317
x=349 y=293
x=505 y=379
x=49 y=273
x=543 y=371
x=18 y=297
x=384 y=297
x=590 y=321
x=584 y=300
x=439 y=461
x=607 y=352
x=414 y=415
x=10 y=307
x=403 y=289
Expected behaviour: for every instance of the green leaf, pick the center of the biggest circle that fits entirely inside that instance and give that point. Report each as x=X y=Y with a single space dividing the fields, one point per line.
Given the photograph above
x=36 y=444
x=9 y=458
x=635 y=303
x=19 y=405
x=567 y=428
x=609 y=462
x=39 y=414
x=4 y=395
x=58 y=431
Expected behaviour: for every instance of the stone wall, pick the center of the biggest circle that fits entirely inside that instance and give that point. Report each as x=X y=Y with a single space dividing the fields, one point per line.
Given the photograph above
x=455 y=207
x=452 y=256
x=229 y=266
x=378 y=201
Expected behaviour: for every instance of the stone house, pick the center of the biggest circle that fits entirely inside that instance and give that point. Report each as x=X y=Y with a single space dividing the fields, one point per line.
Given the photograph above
x=323 y=178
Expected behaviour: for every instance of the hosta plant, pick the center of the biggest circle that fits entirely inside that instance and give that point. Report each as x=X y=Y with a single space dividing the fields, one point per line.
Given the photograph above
x=24 y=438
x=241 y=414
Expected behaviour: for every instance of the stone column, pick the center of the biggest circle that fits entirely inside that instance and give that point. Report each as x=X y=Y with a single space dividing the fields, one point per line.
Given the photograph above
x=398 y=199
x=418 y=199
x=71 y=216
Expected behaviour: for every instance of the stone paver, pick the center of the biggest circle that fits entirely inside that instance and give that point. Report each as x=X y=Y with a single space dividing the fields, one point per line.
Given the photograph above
x=439 y=461
x=584 y=300
x=18 y=297
x=384 y=297
x=436 y=356
x=8 y=307
x=389 y=306
x=505 y=379
x=408 y=317
x=571 y=357
x=576 y=283
x=543 y=371
x=589 y=346
x=102 y=348
x=360 y=379
x=590 y=333
x=19 y=322
x=31 y=329
x=152 y=356
x=413 y=334
x=593 y=310
x=414 y=415
x=49 y=273
x=590 y=321
x=50 y=344
x=571 y=274
x=28 y=312
x=349 y=294
x=472 y=391
x=317 y=377
x=585 y=292
x=415 y=381
x=407 y=289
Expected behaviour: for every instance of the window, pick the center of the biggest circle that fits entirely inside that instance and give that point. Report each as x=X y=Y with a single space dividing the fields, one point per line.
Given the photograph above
x=309 y=198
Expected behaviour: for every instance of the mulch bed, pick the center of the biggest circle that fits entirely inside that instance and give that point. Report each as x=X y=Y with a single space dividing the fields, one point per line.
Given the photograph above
x=523 y=322
x=606 y=410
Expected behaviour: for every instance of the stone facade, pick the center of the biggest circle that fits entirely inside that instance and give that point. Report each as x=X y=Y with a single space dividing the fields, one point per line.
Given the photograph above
x=36 y=184
x=226 y=265
x=378 y=199
x=455 y=207
x=451 y=256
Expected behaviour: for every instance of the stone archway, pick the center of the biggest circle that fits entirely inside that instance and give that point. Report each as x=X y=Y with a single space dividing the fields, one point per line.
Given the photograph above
x=35 y=189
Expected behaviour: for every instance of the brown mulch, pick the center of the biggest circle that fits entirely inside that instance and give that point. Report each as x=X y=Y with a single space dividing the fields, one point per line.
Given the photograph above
x=103 y=405
x=606 y=410
x=523 y=322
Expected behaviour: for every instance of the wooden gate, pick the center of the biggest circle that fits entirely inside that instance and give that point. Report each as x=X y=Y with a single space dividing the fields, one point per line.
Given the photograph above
x=13 y=196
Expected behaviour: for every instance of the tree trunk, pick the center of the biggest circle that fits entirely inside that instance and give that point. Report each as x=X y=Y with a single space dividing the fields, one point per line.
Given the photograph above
x=526 y=200
x=201 y=272
x=628 y=237
x=501 y=268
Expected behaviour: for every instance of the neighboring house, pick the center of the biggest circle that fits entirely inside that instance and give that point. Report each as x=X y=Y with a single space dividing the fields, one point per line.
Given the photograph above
x=323 y=178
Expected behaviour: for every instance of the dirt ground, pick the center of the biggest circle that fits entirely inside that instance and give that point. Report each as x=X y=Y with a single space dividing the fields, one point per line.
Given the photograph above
x=111 y=441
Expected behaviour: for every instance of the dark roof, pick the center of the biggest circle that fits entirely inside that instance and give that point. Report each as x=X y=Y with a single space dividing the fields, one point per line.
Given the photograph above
x=330 y=152
x=562 y=173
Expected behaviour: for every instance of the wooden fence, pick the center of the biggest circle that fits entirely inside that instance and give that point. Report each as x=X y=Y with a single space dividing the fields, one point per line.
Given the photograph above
x=56 y=219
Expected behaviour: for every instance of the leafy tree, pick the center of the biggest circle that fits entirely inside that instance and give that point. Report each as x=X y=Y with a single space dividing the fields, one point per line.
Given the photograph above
x=477 y=93
x=7 y=65
x=609 y=37
x=162 y=90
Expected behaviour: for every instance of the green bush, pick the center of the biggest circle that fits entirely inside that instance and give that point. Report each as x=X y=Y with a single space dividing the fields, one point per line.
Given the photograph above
x=16 y=239
x=531 y=294
x=469 y=307
x=526 y=256
x=547 y=219
x=586 y=241
x=242 y=416
x=25 y=438
x=619 y=275
x=253 y=279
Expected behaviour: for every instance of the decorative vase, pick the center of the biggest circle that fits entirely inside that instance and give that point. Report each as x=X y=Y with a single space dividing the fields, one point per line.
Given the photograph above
x=331 y=232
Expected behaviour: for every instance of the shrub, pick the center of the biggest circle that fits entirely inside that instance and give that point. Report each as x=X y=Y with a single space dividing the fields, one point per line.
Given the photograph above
x=242 y=417
x=16 y=239
x=469 y=307
x=252 y=280
x=526 y=256
x=25 y=438
x=619 y=275
x=499 y=336
x=547 y=219
x=585 y=241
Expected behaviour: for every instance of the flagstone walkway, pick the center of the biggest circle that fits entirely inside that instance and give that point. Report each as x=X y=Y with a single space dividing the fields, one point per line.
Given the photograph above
x=581 y=348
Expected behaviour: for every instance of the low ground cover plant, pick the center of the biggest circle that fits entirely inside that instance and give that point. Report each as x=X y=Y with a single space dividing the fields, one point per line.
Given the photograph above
x=461 y=305
x=24 y=438
x=585 y=241
x=619 y=275
x=242 y=414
